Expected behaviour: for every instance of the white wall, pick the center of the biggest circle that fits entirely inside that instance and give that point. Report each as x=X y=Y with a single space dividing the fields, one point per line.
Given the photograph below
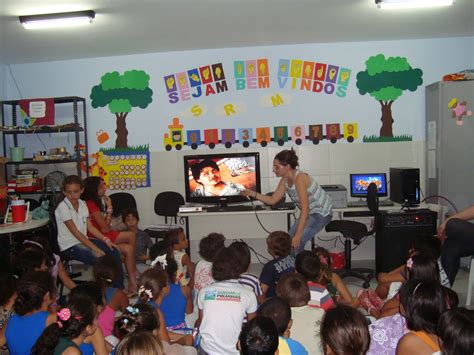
x=329 y=163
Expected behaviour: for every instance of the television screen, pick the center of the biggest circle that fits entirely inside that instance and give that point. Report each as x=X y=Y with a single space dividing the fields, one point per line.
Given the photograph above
x=361 y=182
x=219 y=178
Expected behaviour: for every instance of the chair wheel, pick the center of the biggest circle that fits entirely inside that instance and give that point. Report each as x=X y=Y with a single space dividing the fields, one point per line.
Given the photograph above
x=366 y=284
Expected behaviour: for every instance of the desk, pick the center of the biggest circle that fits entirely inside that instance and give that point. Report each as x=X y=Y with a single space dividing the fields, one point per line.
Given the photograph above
x=234 y=225
x=11 y=228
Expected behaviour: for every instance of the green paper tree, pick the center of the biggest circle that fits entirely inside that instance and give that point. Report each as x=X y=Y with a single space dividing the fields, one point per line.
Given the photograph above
x=121 y=93
x=385 y=80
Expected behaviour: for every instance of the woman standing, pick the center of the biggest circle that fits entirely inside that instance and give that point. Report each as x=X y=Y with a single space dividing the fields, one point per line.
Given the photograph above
x=314 y=204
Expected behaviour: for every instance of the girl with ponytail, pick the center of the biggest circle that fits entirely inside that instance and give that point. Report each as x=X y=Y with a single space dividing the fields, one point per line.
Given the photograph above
x=74 y=323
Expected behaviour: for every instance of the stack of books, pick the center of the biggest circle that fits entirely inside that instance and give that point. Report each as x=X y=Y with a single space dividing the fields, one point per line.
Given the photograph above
x=25 y=181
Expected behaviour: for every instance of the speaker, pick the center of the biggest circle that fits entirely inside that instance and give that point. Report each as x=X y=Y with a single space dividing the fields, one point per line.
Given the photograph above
x=395 y=233
x=405 y=185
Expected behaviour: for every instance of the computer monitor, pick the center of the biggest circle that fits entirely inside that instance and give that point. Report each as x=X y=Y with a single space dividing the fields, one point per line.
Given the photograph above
x=361 y=182
x=219 y=178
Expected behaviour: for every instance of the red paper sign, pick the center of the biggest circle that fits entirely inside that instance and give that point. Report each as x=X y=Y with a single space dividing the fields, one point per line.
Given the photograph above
x=40 y=111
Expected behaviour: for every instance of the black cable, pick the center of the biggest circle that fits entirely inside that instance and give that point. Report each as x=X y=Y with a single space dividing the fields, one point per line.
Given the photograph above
x=443 y=198
x=257 y=254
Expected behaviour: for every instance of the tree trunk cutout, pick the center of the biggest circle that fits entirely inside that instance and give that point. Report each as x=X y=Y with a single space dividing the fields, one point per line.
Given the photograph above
x=387 y=119
x=121 y=131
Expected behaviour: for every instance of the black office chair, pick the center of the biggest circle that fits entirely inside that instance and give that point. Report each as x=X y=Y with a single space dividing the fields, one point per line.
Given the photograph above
x=357 y=231
x=122 y=201
x=167 y=205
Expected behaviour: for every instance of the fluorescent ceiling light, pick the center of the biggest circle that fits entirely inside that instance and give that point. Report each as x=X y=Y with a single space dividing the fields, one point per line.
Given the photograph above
x=409 y=4
x=62 y=19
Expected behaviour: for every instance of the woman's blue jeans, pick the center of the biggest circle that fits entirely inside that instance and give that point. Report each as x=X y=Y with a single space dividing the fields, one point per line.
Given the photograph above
x=314 y=225
x=87 y=256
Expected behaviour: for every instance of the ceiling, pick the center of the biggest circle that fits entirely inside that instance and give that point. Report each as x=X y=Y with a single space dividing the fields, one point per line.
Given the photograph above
x=143 y=26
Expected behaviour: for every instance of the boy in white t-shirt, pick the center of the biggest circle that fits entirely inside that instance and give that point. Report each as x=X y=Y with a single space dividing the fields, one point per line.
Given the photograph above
x=224 y=305
x=72 y=219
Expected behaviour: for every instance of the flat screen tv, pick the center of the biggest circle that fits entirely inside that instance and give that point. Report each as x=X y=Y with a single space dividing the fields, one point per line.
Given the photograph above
x=219 y=178
x=361 y=182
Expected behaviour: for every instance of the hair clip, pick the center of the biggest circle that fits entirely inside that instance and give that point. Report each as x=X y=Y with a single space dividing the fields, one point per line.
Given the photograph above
x=148 y=292
x=409 y=263
x=132 y=310
x=160 y=259
x=323 y=260
x=108 y=280
x=59 y=323
x=416 y=288
x=26 y=241
x=64 y=314
x=125 y=321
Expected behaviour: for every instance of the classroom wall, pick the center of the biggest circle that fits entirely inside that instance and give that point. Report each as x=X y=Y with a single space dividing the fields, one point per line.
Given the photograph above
x=329 y=163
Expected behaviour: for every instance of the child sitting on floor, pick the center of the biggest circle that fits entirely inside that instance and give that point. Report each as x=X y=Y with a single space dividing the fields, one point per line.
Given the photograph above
x=279 y=311
x=208 y=248
x=259 y=336
x=307 y=264
x=178 y=242
x=292 y=287
x=333 y=283
x=223 y=305
x=105 y=273
x=279 y=247
x=246 y=278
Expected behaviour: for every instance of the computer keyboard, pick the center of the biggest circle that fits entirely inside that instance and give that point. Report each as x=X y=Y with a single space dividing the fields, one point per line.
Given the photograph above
x=235 y=208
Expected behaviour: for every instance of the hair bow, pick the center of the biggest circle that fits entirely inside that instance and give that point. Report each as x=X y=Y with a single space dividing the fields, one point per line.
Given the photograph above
x=64 y=314
x=160 y=259
x=132 y=310
x=409 y=263
x=148 y=292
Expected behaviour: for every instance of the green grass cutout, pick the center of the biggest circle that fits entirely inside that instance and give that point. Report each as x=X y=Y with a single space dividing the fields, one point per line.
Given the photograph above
x=376 y=139
x=143 y=148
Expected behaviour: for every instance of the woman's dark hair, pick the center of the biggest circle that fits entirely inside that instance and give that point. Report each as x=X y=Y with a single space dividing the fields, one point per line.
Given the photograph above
x=72 y=321
x=196 y=168
x=31 y=290
x=210 y=245
x=106 y=271
x=130 y=212
x=325 y=262
x=422 y=302
x=160 y=248
x=135 y=318
x=293 y=288
x=152 y=281
x=8 y=283
x=72 y=179
x=278 y=310
x=307 y=264
x=29 y=260
x=226 y=265
x=172 y=237
x=456 y=330
x=259 y=337
x=427 y=244
x=344 y=330
x=89 y=290
x=423 y=267
x=91 y=191
x=279 y=243
x=288 y=157
x=243 y=254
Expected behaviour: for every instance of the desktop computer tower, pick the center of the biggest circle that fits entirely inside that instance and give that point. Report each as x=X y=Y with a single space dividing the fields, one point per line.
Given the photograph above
x=395 y=233
x=405 y=185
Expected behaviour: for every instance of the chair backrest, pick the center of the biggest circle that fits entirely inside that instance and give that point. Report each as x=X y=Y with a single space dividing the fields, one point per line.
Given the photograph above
x=373 y=204
x=167 y=203
x=122 y=201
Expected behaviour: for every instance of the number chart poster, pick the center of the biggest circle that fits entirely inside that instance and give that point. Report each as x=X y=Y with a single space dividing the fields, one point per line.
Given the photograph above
x=126 y=170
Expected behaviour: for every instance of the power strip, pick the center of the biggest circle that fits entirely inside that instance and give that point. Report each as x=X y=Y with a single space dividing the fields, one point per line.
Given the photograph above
x=191 y=209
